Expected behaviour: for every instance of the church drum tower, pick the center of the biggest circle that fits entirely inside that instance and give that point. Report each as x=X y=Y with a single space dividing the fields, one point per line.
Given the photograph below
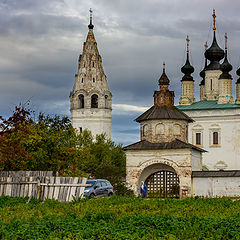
x=91 y=99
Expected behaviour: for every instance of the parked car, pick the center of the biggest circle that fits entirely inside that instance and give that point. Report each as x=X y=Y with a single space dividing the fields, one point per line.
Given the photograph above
x=98 y=188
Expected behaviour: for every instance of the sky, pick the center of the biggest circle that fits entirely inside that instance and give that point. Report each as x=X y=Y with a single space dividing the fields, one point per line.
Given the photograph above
x=40 y=41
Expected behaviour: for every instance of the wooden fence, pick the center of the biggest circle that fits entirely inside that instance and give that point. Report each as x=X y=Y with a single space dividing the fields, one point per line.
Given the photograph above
x=63 y=189
x=27 y=174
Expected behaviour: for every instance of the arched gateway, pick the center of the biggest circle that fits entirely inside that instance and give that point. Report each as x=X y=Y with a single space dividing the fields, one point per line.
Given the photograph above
x=161 y=179
x=163 y=184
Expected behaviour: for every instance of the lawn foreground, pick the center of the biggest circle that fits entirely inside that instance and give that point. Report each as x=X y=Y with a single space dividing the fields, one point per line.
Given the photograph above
x=120 y=218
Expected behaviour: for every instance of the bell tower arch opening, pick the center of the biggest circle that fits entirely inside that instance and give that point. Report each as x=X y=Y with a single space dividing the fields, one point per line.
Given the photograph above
x=94 y=101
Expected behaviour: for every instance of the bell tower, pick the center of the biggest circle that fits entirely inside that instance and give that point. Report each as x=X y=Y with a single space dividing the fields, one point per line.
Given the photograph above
x=91 y=99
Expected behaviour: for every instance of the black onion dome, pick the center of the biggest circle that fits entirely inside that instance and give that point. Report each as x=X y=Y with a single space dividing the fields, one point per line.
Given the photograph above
x=214 y=54
x=163 y=80
x=187 y=69
x=226 y=67
x=238 y=73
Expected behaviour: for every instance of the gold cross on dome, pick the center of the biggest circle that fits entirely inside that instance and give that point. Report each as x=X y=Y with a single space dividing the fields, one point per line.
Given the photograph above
x=214 y=20
x=90 y=10
x=188 y=40
x=226 y=37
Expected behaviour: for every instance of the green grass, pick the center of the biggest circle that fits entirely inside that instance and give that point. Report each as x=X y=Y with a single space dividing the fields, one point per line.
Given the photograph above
x=120 y=218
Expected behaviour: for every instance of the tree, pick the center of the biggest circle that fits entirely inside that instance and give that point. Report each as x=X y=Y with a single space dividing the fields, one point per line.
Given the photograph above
x=51 y=143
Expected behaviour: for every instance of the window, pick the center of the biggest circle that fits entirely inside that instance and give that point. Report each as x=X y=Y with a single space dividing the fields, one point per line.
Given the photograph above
x=215 y=137
x=211 y=85
x=93 y=79
x=160 y=129
x=198 y=139
x=94 y=101
x=81 y=101
x=197 y=135
x=82 y=80
x=93 y=64
x=80 y=129
x=106 y=101
x=104 y=184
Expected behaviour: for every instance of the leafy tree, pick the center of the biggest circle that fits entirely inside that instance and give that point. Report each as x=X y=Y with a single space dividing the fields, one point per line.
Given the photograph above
x=52 y=143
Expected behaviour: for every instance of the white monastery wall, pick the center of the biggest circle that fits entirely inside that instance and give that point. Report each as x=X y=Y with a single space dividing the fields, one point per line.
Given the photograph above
x=216 y=186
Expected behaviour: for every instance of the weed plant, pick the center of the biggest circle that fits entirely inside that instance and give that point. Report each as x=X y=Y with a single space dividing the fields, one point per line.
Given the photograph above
x=120 y=218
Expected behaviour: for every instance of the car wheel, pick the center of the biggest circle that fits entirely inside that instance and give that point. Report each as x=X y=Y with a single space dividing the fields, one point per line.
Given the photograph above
x=91 y=196
x=110 y=194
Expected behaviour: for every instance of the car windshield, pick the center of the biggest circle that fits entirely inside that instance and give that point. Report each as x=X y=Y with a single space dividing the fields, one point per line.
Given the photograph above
x=92 y=182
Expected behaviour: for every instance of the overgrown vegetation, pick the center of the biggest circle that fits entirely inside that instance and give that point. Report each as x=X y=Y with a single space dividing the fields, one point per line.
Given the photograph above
x=120 y=218
x=52 y=144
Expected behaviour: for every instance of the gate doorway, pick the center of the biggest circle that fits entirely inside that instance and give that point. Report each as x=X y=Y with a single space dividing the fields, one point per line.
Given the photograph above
x=163 y=184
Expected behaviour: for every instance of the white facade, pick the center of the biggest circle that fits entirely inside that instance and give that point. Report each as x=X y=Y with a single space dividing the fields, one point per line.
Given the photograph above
x=98 y=121
x=226 y=122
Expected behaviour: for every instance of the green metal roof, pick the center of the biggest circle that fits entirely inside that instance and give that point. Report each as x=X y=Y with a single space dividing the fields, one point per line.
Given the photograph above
x=206 y=105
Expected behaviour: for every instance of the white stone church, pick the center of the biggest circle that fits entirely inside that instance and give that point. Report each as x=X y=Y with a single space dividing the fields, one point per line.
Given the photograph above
x=186 y=150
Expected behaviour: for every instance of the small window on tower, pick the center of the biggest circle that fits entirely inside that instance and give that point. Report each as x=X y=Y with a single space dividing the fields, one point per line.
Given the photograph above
x=80 y=129
x=198 y=139
x=106 y=101
x=93 y=79
x=82 y=80
x=93 y=64
x=84 y=65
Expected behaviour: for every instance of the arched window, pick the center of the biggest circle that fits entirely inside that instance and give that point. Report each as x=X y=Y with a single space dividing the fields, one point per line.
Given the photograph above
x=160 y=129
x=93 y=79
x=145 y=130
x=106 y=101
x=93 y=64
x=81 y=101
x=82 y=80
x=94 y=101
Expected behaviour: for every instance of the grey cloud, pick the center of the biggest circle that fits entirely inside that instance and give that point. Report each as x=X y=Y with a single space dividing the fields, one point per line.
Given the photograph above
x=40 y=42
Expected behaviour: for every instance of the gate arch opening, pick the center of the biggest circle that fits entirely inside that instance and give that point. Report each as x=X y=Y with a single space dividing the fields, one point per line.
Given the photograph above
x=163 y=184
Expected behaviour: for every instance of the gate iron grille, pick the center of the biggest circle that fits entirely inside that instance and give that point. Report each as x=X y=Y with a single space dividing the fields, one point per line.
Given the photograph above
x=163 y=184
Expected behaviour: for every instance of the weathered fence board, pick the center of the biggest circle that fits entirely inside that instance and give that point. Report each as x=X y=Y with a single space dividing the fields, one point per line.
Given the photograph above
x=26 y=173
x=63 y=189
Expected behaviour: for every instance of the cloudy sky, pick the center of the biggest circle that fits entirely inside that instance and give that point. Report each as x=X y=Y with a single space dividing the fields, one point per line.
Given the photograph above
x=40 y=41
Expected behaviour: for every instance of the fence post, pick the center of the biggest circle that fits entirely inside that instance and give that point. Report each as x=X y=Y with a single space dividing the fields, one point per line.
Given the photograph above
x=38 y=189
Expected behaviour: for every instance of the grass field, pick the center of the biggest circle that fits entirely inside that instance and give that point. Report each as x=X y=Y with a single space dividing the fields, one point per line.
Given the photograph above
x=120 y=218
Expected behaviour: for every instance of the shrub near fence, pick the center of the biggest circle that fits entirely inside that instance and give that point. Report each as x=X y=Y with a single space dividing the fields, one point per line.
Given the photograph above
x=41 y=185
